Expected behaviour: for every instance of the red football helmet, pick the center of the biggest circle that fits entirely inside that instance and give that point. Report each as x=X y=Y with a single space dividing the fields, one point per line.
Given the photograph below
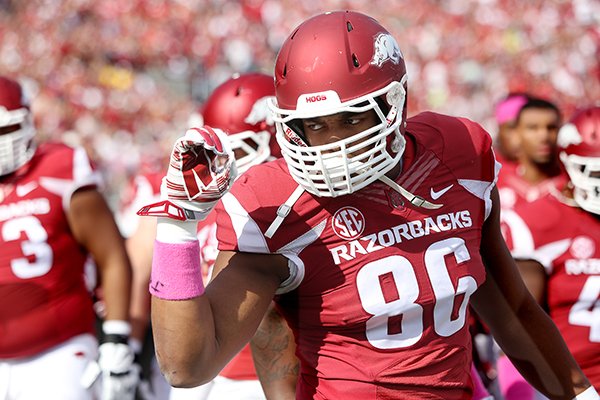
x=579 y=140
x=16 y=127
x=335 y=62
x=239 y=107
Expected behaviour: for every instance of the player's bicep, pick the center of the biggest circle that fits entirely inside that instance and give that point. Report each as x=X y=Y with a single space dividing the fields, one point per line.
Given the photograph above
x=240 y=291
x=92 y=221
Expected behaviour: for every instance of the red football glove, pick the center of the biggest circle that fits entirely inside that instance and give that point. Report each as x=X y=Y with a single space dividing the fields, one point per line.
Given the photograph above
x=201 y=170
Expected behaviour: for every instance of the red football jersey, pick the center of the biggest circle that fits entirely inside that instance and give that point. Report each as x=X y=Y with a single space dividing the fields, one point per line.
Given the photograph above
x=378 y=300
x=566 y=241
x=514 y=190
x=44 y=297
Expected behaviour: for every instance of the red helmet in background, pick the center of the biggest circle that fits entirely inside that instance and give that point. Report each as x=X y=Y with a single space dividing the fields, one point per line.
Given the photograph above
x=579 y=142
x=341 y=61
x=16 y=127
x=239 y=107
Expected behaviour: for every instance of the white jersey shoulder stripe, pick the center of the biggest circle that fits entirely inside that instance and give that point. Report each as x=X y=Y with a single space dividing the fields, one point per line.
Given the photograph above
x=524 y=245
x=546 y=254
x=482 y=189
x=248 y=234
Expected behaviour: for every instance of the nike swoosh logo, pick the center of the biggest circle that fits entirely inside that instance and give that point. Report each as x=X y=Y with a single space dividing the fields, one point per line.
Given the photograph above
x=24 y=190
x=436 y=195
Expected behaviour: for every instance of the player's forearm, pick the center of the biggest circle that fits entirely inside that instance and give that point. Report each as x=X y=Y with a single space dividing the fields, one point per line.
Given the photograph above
x=139 y=248
x=184 y=340
x=139 y=310
x=116 y=286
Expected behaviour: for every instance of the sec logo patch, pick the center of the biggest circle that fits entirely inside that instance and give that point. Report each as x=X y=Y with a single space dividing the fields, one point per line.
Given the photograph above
x=348 y=223
x=583 y=247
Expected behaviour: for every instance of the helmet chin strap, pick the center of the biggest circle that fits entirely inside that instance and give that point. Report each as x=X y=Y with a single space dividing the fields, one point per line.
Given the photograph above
x=413 y=199
x=286 y=207
x=554 y=191
x=399 y=144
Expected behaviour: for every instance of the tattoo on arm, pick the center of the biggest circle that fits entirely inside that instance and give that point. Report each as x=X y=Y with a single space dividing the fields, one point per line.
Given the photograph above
x=273 y=351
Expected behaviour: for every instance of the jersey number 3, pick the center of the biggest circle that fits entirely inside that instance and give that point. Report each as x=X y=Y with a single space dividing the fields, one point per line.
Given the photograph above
x=35 y=245
x=405 y=306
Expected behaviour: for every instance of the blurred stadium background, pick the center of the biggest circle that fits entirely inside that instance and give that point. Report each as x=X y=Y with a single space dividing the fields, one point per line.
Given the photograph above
x=121 y=77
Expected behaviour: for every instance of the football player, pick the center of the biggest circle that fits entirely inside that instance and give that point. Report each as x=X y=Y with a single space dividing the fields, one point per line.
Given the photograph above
x=52 y=216
x=556 y=241
x=538 y=168
x=536 y=173
x=374 y=230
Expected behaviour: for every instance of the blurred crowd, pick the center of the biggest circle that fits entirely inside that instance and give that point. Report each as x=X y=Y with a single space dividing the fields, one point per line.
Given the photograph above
x=123 y=77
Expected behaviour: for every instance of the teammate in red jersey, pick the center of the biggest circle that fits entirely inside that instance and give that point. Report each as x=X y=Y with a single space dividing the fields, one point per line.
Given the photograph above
x=556 y=241
x=536 y=173
x=506 y=150
x=52 y=217
x=374 y=232
x=538 y=168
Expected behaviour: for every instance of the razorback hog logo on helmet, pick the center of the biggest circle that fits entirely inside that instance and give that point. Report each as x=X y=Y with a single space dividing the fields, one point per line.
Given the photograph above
x=568 y=135
x=385 y=48
x=260 y=112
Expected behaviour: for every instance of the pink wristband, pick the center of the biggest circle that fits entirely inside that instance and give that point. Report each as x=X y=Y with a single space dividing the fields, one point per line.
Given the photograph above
x=176 y=271
x=479 y=390
x=512 y=385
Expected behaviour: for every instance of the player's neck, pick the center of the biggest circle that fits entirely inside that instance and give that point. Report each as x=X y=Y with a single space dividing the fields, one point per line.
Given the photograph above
x=535 y=173
x=395 y=172
x=410 y=150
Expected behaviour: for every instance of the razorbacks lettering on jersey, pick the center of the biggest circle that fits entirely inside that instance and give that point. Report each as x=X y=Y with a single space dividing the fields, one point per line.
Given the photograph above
x=378 y=302
x=566 y=241
x=44 y=297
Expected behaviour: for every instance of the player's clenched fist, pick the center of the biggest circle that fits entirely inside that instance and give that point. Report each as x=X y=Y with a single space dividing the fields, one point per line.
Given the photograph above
x=201 y=170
